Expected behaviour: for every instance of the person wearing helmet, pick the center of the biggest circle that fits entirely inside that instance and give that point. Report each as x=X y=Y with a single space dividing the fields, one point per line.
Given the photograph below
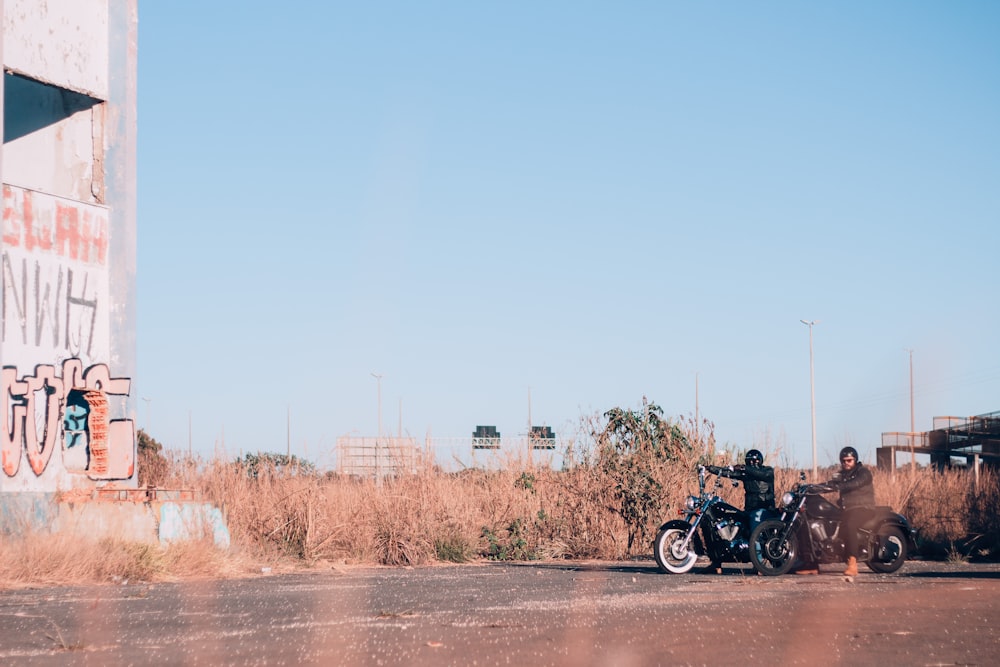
x=857 y=498
x=758 y=488
x=758 y=482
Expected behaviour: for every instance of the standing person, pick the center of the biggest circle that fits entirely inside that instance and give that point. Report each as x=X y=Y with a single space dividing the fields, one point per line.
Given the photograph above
x=758 y=488
x=857 y=498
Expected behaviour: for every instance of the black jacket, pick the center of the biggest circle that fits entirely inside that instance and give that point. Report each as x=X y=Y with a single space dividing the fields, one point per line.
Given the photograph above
x=855 y=486
x=758 y=484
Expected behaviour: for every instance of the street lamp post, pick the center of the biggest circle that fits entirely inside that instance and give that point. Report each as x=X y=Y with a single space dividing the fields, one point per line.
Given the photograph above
x=812 y=391
x=148 y=401
x=378 y=440
x=913 y=453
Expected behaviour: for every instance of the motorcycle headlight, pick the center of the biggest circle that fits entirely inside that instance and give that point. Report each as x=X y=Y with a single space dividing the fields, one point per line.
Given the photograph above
x=787 y=499
x=691 y=502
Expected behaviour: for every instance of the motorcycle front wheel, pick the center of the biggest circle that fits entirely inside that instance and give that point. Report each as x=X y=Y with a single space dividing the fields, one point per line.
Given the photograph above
x=892 y=553
x=670 y=553
x=770 y=554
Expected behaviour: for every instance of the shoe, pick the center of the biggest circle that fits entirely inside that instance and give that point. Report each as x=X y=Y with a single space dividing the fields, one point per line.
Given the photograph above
x=714 y=568
x=805 y=571
x=852 y=567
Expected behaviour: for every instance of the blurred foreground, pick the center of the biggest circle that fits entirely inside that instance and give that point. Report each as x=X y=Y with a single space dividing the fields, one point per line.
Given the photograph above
x=554 y=613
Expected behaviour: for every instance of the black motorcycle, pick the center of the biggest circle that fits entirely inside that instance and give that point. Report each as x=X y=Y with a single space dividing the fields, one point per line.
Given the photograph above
x=809 y=532
x=724 y=535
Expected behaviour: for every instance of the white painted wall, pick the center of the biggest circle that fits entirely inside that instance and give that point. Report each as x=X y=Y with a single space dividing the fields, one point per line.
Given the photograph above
x=58 y=159
x=63 y=42
x=67 y=244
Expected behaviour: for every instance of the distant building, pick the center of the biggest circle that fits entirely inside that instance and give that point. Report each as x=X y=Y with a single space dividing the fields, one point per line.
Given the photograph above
x=968 y=438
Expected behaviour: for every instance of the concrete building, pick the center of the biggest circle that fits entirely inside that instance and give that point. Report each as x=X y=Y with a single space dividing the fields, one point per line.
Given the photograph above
x=971 y=440
x=67 y=322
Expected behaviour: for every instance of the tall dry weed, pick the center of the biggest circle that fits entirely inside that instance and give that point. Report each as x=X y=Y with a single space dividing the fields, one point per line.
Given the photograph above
x=516 y=510
x=278 y=511
x=954 y=513
x=937 y=506
x=984 y=514
x=47 y=559
x=64 y=559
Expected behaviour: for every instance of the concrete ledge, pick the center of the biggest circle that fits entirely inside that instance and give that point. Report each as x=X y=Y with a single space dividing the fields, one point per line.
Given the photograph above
x=126 y=518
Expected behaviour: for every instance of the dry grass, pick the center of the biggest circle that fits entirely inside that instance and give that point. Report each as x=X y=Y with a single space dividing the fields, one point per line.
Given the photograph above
x=956 y=516
x=520 y=511
x=37 y=559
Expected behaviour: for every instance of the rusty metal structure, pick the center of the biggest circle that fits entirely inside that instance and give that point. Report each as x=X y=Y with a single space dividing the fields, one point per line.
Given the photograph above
x=970 y=439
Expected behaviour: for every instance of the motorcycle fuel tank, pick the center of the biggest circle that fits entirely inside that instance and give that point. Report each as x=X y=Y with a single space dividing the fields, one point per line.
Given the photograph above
x=821 y=508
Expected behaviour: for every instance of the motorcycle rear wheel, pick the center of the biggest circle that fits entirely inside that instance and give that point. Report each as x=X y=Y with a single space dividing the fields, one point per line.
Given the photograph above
x=894 y=536
x=770 y=554
x=670 y=556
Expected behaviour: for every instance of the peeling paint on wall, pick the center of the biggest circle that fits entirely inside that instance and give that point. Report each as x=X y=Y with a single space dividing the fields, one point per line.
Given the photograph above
x=67 y=40
x=192 y=521
x=55 y=307
x=67 y=245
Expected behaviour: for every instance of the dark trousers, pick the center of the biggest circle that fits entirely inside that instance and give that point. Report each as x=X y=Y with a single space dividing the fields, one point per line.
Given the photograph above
x=850 y=521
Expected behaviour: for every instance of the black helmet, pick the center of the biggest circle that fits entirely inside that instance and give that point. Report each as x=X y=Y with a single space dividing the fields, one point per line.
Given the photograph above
x=754 y=458
x=849 y=451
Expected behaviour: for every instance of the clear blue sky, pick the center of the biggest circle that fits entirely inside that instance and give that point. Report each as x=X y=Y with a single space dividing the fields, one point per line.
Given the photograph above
x=591 y=202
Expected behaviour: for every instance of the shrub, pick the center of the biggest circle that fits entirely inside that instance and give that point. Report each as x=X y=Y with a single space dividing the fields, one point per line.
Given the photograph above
x=152 y=466
x=633 y=448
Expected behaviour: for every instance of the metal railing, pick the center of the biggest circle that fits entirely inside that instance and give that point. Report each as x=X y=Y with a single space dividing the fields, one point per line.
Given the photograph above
x=952 y=437
x=902 y=440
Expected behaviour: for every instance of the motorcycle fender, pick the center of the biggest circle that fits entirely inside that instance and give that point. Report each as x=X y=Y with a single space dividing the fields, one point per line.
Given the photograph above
x=899 y=521
x=699 y=548
x=908 y=530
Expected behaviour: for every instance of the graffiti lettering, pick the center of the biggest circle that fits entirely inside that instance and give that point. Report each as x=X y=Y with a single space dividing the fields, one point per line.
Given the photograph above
x=49 y=300
x=78 y=308
x=64 y=229
x=37 y=406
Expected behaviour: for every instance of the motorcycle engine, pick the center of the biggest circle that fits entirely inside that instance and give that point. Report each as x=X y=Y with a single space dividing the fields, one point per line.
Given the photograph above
x=728 y=530
x=818 y=530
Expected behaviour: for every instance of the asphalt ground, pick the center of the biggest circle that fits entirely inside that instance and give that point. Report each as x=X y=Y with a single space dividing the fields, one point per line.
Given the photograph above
x=549 y=613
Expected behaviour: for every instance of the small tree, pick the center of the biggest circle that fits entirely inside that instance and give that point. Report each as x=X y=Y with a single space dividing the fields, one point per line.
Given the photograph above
x=280 y=464
x=633 y=448
x=152 y=465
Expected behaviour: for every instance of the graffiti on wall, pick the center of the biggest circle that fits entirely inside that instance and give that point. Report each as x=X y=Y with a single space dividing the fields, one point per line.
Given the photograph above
x=68 y=411
x=54 y=271
x=54 y=319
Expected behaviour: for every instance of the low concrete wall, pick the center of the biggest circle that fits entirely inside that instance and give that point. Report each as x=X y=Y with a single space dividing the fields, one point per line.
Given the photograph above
x=149 y=522
x=192 y=521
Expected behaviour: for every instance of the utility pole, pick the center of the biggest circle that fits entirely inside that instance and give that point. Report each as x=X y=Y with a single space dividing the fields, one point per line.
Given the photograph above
x=378 y=440
x=812 y=393
x=913 y=435
x=529 y=412
x=697 y=425
x=147 y=401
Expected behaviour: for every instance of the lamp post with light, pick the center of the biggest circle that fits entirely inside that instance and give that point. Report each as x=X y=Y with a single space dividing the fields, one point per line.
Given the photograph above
x=812 y=391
